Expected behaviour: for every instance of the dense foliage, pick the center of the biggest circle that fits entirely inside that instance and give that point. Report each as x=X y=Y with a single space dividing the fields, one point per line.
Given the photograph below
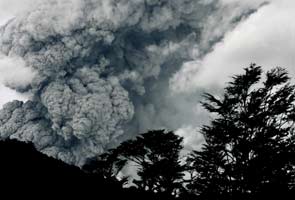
x=250 y=146
x=155 y=156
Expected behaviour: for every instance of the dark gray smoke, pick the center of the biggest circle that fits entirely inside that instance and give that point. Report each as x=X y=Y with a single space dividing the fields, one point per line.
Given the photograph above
x=102 y=69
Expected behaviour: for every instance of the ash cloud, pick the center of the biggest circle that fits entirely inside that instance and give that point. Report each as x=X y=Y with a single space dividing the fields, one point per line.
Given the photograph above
x=101 y=69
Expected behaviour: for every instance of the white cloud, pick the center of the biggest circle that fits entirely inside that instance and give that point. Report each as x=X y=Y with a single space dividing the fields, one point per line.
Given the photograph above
x=192 y=139
x=13 y=71
x=11 y=8
x=266 y=38
x=247 y=2
x=7 y=94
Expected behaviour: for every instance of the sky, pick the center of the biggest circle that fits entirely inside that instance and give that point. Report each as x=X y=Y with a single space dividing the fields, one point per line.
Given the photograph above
x=11 y=8
x=8 y=68
x=266 y=37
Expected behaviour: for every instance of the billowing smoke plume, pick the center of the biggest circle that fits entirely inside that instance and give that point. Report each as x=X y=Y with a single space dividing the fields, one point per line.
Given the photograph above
x=100 y=69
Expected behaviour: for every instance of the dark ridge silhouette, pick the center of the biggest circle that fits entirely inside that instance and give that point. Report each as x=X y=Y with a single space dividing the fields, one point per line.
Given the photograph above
x=26 y=172
x=20 y=159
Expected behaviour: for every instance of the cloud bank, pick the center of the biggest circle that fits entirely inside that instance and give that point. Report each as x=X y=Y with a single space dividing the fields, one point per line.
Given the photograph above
x=267 y=38
x=98 y=71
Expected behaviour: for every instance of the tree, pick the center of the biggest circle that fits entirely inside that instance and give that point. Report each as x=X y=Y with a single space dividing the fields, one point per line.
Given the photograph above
x=108 y=166
x=250 y=146
x=156 y=156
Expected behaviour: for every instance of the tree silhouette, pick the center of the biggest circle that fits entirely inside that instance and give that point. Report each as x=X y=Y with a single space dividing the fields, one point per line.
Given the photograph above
x=155 y=155
x=108 y=166
x=250 y=146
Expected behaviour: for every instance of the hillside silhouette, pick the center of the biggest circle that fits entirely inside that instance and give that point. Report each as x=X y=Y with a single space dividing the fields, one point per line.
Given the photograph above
x=24 y=169
x=19 y=159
